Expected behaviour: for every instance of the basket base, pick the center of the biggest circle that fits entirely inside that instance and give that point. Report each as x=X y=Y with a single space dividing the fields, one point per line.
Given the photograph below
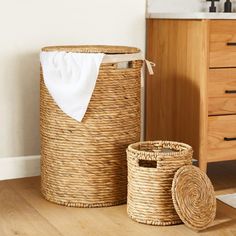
x=156 y=223
x=85 y=205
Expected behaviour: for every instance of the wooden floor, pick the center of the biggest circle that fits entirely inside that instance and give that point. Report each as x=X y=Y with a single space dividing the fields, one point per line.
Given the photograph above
x=24 y=212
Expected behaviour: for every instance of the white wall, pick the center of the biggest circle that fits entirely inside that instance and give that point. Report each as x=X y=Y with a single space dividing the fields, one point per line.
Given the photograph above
x=183 y=5
x=173 y=5
x=28 y=25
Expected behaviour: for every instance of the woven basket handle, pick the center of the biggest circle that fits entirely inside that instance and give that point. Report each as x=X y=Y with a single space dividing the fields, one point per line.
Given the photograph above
x=129 y=58
x=142 y=161
x=147 y=163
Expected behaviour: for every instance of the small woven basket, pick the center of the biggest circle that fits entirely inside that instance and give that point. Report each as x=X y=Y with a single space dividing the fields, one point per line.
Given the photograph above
x=151 y=169
x=83 y=164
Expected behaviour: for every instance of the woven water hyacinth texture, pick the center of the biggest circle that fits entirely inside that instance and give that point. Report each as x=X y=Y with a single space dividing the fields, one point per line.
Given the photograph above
x=194 y=197
x=151 y=169
x=84 y=164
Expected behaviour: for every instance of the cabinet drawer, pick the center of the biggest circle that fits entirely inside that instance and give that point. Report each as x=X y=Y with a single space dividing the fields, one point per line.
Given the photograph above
x=222 y=91
x=221 y=138
x=222 y=43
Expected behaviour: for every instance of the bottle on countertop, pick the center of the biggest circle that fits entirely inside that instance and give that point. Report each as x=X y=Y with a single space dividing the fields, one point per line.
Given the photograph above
x=228 y=6
x=212 y=8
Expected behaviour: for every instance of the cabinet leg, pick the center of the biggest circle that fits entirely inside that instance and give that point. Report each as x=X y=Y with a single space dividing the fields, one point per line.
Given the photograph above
x=202 y=165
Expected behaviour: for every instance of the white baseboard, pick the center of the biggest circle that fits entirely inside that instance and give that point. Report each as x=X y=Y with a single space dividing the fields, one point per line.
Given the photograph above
x=19 y=167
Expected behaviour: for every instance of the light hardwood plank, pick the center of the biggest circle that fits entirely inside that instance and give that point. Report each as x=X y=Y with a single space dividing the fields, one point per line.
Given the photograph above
x=17 y=217
x=33 y=215
x=99 y=221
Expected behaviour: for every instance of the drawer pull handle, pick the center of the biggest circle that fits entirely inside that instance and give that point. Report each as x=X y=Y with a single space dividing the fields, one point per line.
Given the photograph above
x=230 y=91
x=230 y=139
x=231 y=44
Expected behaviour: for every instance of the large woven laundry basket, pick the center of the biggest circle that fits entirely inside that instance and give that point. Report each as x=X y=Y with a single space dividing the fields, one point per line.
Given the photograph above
x=151 y=169
x=84 y=163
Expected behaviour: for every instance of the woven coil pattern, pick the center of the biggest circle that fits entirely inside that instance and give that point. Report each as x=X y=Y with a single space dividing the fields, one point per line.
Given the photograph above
x=84 y=164
x=151 y=169
x=194 y=197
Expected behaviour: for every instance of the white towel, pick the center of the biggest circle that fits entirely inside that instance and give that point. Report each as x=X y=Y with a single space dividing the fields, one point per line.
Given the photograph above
x=70 y=79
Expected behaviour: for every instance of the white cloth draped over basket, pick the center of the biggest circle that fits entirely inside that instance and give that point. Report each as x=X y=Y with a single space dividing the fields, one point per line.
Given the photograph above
x=71 y=77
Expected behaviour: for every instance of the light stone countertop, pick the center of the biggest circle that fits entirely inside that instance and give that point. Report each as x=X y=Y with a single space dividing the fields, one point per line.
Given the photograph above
x=191 y=15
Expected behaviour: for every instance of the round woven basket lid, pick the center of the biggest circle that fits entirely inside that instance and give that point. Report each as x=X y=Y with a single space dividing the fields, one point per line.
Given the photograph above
x=194 y=197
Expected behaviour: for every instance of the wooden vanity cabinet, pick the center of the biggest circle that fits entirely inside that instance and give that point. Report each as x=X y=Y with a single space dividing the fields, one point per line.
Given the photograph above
x=191 y=97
